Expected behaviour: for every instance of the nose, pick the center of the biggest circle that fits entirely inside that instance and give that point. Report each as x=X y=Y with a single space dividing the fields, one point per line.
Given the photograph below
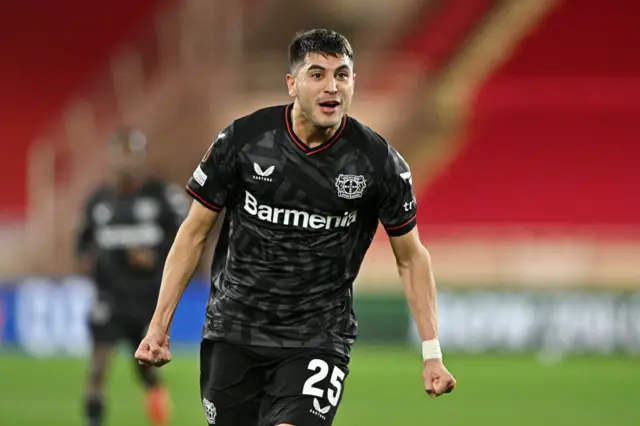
x=332 y=86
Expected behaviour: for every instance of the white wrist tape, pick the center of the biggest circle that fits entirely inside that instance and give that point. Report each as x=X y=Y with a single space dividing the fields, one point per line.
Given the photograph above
x=431 y=350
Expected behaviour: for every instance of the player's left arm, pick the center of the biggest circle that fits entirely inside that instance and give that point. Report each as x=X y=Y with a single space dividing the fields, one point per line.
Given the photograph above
x=85 y=241
x=397 y=212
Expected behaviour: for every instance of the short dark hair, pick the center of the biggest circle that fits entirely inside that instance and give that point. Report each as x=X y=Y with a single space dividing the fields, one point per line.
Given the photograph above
x=324 y=42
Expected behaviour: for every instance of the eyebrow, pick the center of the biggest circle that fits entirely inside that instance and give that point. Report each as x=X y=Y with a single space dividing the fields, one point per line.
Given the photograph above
x=321 y=68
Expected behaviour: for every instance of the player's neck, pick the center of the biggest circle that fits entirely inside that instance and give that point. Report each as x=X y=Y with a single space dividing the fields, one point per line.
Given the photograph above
x=128 y=184
x=306 y=131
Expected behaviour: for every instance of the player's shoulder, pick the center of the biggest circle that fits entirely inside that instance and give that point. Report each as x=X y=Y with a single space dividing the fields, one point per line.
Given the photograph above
x=153 y=185
x=160 y=188
x=258 y=122
x=370 y=140
x=100 y=192
x=385 y=156
x=246 y=129
x=170 y=195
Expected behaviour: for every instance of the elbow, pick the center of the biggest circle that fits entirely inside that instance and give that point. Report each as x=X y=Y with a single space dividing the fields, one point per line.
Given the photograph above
x=419 y=256
x=191 y=234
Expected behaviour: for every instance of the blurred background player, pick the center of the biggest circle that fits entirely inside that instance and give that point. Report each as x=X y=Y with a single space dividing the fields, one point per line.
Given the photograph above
x=128 y=226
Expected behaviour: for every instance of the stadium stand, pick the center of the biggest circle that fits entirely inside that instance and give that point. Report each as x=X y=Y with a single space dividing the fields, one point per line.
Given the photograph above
x=36 y=82
x=553 y=134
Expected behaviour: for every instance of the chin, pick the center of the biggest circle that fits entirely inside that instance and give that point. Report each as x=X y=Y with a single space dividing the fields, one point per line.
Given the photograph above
x=327 y=123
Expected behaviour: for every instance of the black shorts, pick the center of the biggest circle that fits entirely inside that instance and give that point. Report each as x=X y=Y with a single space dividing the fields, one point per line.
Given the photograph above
x=252 y=386
x=110 y=324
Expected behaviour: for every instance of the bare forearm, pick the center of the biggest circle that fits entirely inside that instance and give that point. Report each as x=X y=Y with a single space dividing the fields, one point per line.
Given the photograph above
x=181 y=264
x=420 y=290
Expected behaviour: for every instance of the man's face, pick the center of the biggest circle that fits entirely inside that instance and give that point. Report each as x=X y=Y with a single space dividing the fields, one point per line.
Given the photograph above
x=324 y=88
x=127 y=158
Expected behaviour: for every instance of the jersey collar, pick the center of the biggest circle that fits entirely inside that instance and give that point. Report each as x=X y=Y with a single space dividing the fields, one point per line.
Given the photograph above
x=302 y=145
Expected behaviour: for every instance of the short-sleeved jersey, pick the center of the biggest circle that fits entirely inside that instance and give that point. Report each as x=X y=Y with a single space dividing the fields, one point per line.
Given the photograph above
x=113 y=223
x=298 y=222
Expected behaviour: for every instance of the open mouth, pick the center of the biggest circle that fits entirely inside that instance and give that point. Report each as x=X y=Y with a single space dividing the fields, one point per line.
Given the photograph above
x=329 y=107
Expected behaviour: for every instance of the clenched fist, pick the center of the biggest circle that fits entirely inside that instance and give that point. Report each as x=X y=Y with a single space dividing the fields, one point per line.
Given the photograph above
x=437 y=379
x=154 y=348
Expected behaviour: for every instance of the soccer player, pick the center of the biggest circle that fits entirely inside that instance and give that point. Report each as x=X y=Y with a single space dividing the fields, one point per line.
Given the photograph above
x=127 y=229
x=303 y=187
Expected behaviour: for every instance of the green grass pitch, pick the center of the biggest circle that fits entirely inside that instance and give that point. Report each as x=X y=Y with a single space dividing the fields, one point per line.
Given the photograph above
x=383 y=389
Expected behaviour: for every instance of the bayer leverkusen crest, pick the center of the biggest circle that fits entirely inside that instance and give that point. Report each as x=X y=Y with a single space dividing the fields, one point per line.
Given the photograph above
x=350 y=186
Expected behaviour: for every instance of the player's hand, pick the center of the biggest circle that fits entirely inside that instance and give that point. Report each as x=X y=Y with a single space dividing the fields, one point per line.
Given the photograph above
x=437 y=379
x=154 y=349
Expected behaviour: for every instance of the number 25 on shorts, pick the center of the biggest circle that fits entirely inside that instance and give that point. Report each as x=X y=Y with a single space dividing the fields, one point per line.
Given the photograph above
x=322 y=371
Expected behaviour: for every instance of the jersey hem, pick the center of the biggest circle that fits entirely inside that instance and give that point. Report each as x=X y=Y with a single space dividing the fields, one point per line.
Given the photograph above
x=202 y=201
x=405 y=228
x=340 y=346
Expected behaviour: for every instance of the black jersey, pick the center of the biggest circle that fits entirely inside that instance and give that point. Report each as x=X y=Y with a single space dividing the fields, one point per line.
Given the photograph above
x=114 y=223
x=297 y=226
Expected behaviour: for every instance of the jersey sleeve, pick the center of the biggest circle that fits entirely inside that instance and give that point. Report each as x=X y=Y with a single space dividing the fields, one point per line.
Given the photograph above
x=398 y=207
x=213 y=181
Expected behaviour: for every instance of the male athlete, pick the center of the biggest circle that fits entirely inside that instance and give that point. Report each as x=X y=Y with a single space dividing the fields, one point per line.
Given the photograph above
x=304 y=187
x=127 y=230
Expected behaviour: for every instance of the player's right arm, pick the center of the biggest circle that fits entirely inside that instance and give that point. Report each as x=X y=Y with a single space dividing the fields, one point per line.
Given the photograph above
x=182 y=261
x=210 y=186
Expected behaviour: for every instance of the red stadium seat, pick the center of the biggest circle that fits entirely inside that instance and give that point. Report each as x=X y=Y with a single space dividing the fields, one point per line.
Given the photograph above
x=553 y=138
